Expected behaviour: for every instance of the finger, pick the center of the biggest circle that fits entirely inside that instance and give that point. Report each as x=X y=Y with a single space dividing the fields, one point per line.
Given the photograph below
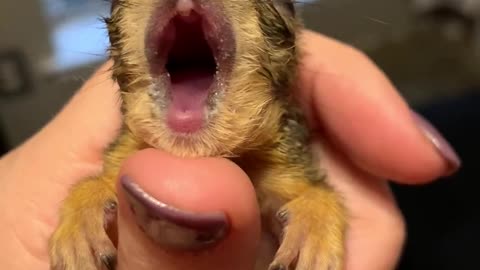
x=67 y=149
x=77 y=137
x=70 y=147
x=363 y=114
x=187 y=214
x=376 y=231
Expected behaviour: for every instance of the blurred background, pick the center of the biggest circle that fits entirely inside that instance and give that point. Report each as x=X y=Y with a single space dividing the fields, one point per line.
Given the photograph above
x=429 y=48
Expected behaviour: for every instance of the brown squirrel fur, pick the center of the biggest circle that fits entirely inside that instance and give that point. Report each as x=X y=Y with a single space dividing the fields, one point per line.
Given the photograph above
x=256 y=123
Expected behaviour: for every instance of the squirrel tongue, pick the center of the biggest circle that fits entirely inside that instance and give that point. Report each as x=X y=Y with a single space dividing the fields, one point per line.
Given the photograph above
x=189 y=92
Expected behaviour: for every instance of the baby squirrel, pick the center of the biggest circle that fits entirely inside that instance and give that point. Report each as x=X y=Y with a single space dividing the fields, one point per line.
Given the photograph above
x=227 y=96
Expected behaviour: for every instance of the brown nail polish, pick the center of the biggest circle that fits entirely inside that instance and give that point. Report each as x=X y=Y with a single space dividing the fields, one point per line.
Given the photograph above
x=441 y=144
x=171 y=227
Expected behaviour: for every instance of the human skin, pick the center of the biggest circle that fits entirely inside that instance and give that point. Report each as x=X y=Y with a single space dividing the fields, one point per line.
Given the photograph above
x=364 y=132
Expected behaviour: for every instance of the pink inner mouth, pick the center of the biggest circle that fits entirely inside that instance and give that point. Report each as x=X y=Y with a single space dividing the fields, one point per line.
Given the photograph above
x=191 y=64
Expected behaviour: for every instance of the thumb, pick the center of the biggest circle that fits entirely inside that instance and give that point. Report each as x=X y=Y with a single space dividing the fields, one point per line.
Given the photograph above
x=179 y=214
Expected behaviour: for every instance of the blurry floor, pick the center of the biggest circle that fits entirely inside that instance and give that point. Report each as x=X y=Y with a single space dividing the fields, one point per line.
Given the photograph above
x=424 y=61
x=427 y=68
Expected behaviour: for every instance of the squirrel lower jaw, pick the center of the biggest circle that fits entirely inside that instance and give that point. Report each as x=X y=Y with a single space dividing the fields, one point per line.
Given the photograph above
x=189 y=92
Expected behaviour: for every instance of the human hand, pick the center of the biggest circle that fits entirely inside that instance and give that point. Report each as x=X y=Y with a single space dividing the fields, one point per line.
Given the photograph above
x=364 y=131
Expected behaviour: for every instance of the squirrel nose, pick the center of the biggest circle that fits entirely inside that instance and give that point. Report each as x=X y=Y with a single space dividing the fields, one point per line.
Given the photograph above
x=185 y=7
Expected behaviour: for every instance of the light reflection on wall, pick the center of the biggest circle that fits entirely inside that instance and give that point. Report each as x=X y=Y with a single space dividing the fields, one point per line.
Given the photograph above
x=78 y=34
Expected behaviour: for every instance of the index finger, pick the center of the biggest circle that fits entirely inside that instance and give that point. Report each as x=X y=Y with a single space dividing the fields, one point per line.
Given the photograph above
x=349 y=98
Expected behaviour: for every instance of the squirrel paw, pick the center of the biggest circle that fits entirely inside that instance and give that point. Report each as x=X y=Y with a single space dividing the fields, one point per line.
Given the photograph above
x=312 y=238
x=81 y=241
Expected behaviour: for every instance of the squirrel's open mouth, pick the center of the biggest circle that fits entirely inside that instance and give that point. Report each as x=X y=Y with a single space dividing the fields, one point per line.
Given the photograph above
x=192 y=55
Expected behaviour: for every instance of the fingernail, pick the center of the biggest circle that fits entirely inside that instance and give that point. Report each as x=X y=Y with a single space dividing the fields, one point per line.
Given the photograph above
x=170 y=227
x=441 y=144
